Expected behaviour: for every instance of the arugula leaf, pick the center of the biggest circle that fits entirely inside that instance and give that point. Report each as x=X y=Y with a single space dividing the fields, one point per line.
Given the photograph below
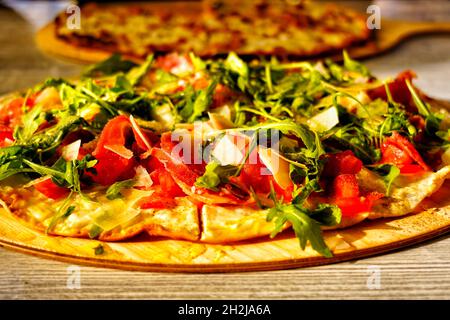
x=49 y=139
x=432 y=121
x=354 y=65
x=198 y=63
x=99 y=250
x=202 y=102
x=12 y=168
x=214 y=175
x=388 y=172
x=305 y=227
x=45 y=171
x=64 y=173
x=135 y=75
x=327 y=214
x=114 y=191
x=63 y=211
x=112 y=65
x=30 y=123
x=238 y=66
x=94 y=231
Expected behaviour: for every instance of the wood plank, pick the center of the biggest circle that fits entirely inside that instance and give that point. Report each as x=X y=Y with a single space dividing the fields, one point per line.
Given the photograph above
x=168 y=255
x=420 y=272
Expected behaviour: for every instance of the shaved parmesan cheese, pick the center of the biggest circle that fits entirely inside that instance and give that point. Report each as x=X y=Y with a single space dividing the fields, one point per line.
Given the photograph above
x=137 y=131
x=142 y=177
x=48 y=98
x=224 y=111
x=325 y=120
x=278 y=166
x=89 y=112
x=163 y=114
x=230 y=149
x=113 y=213
x=219 y=122
x=120 y=150
x=71 y=151
x=35 y=181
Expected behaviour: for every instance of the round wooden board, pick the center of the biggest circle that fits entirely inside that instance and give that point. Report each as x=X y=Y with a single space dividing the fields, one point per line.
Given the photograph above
x=159 y=254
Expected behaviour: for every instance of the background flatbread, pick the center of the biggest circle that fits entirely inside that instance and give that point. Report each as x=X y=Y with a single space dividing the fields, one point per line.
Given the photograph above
x=208 y=29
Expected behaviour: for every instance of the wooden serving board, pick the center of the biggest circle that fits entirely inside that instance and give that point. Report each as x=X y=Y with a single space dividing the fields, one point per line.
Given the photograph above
x=391 y=34
x=159 y=254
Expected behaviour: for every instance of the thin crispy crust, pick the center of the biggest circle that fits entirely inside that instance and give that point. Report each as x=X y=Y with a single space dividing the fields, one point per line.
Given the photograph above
x=337 y=28
x=218 y=224
x=36 y=211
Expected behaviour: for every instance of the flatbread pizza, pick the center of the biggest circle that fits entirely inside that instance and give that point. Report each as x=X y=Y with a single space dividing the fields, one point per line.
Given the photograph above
x=219 y=150
x=207 y=28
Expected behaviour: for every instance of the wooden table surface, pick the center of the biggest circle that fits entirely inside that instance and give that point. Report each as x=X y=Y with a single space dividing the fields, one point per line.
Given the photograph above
x=420 y=272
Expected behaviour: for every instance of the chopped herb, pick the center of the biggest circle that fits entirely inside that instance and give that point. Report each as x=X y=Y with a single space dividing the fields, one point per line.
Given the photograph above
x=95 y=231
x=114 y=191
x=99 y=250
x=112 y=65
x=214 y=175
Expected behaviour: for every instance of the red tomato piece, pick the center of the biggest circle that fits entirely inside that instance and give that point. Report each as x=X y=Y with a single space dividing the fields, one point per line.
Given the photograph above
x=400 y=151
x=342 y=163
x=355 y=205
x=112 y=167
x=399 y=90
x=352 y=206
x=175 y=167
x=12 y=112
x=222 y=95
x=175 y=63
x=411 y=168
x=168 y=186
x=6 y=136
x=51 y=190
x=252 y=176
x=346 y=186
x=394 y=155
x=157 y=201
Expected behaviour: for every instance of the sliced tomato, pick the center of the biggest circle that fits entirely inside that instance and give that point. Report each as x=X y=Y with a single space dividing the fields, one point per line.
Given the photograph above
x=399 y=151
x=6 y=136
x=222 y=95
x=342 y=163
x=411 y=168
x=13 y=111
x=355 y=205
x=346 y=186
x=185 y=177
x=168 y=186
x=112 y=167
x=175 y=167
x=392 y=154
x=399 y=90
x=157 y=201
x=175 y=63
x=252 y=176
x=51 y=190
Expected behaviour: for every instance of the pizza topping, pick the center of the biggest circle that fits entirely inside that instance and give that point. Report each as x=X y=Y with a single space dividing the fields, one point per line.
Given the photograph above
x=399 y=151
x=6 y=136
x=293 y=138
x=115 y=161
x=71 y=151
x=51 y=190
